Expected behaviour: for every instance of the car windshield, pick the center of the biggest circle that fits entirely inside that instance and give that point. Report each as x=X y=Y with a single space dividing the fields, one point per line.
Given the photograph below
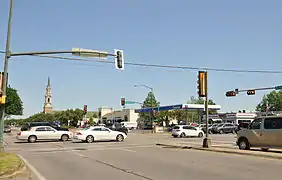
x=6 y=126
x=176 y=127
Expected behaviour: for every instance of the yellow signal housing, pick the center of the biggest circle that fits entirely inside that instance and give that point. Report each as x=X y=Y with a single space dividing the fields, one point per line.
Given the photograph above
x=201 y=83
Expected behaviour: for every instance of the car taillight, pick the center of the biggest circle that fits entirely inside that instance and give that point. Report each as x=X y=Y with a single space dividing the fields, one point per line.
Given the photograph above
x=19 y=133
x=78 y=133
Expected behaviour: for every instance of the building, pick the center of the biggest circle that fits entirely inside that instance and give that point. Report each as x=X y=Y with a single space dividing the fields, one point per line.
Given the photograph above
x=106 y=114
x=48 y=99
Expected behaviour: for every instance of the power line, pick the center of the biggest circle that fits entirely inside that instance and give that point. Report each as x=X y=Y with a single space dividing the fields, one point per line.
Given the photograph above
x=163 y=66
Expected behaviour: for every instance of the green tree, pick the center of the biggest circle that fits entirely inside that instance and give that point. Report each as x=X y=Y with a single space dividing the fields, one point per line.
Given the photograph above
x=149 y=102
x=14 y=104
x=274 y=100
x=41 y=117
x=91 y=121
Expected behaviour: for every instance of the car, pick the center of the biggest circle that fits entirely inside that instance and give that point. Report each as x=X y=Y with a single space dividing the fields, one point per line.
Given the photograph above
x=7 y=129
x=27 y=126
x=264 y=133
x=225 y=128
x=117 y=127
x=99 y=133
x=186 y=130
x=43 y=133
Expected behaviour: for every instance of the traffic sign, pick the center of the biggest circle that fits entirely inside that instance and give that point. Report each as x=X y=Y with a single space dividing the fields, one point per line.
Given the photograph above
x=278 y=87
x=130 y=102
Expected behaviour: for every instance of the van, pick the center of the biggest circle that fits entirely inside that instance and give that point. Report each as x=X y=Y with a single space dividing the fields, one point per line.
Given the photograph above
x=264 y=132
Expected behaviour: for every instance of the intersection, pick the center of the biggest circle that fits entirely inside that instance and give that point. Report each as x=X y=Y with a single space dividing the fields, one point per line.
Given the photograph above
x=138 y=158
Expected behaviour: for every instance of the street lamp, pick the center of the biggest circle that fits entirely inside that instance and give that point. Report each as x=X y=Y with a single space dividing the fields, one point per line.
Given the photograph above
x=151 y=89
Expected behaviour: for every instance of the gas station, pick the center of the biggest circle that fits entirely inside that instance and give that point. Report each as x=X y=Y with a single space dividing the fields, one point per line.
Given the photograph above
x=188 y=107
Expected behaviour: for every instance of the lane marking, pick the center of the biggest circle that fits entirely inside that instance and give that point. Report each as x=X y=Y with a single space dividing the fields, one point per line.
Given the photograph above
x=128 y=150
x=33 y=169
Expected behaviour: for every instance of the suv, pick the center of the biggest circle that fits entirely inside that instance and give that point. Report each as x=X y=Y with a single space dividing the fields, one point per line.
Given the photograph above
x=53 y=125
x=225 y=128
x=264 y=132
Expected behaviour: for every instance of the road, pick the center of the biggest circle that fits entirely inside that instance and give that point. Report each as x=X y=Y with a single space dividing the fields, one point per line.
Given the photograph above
x=138 y=158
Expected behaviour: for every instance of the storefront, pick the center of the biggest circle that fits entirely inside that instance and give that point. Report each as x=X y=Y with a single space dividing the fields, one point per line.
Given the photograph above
x=237 y=118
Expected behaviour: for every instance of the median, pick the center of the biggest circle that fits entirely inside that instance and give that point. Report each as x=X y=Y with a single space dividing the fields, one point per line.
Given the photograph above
x=273 y=154
x=10 y=165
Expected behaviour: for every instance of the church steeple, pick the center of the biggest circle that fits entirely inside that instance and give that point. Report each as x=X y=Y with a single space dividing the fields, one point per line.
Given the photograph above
x=49 y=84
x=48 y=98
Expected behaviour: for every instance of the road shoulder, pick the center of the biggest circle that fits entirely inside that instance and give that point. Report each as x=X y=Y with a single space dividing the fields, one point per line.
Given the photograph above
x=257 y=153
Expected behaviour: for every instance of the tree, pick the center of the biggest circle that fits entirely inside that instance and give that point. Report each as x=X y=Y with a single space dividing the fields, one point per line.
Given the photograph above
x=41 y=117
x=149 y=102
x=14 y=104
x=91 y=121
x=274 y=101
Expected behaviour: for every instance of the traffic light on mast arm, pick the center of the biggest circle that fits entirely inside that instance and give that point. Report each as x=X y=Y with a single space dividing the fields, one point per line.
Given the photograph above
x=85 y=109
x=122 y=101
x=251 y=92
x=230 y=93
x=201 y=83
x=119 y=60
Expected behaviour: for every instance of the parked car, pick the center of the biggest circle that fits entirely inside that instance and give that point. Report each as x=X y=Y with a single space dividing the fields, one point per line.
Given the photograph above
x=212 y=130
x=99 y=133
x=7 y=129
x=36 y=133
x=27 y=126
x=186 y=130
x=265 y=133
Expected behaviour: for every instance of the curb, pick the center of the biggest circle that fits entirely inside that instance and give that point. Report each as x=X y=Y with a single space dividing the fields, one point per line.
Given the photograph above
x=223 y=150
x=16 y=172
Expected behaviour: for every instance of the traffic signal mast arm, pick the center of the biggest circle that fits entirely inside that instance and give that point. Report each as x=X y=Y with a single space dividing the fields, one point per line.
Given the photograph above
x=261 y=89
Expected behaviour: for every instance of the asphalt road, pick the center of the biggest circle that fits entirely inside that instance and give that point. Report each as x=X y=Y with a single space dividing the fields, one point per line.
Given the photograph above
x=138 y=158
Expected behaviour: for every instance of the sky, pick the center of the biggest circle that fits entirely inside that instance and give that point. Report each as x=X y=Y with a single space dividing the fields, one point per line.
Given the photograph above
x=215 y=34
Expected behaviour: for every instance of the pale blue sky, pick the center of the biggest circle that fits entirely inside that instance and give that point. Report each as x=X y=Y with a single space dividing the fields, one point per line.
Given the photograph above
x=217 y=34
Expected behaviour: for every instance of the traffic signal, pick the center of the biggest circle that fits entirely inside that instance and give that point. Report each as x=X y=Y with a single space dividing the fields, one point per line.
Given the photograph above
x=251 y=92
x=122 y=101
x=154 y=114
x=119 y=60
x=202 y=84
x=230 y=93
x=3 y=81
x=85 y=109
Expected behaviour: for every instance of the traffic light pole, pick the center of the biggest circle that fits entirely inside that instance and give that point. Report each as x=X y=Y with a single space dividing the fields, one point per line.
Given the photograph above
x=4 y=84
x=207 y=139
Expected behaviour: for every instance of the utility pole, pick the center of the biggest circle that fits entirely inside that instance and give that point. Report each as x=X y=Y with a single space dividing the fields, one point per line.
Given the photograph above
x=207 y=139
x=4 y=82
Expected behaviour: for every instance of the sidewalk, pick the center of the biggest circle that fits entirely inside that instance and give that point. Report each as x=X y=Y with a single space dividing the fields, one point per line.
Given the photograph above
x=222 y=148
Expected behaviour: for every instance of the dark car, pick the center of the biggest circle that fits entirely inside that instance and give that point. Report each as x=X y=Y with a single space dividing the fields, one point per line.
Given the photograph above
x=225 y=128
x=7 y=129
x=117 y=127
x=53 y=125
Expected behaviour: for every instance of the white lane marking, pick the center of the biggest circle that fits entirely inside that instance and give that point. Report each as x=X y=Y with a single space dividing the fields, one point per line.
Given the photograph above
x=127 y=150
x=80 y=155
x=33 y=169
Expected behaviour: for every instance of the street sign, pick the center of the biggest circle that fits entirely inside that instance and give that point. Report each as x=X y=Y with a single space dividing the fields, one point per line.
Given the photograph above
x=130 y=102
x=278 y=87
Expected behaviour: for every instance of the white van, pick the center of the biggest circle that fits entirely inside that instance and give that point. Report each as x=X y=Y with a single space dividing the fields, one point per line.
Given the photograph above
x=264 y=132
x=129 y=125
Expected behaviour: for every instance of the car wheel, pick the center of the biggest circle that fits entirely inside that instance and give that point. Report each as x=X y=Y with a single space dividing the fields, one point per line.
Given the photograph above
x=210 y=132
x=221 y=132
x=32 y=139
x=182 y=135
x=243 y=144
x=200 y=134
x=119 y=138
x=90 y=139
x=65 y=137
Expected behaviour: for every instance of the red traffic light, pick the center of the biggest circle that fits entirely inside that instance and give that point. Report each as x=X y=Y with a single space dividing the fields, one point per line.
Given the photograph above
x=85 y=109
x=230 y=93
x=122 y=101
x=251 y=92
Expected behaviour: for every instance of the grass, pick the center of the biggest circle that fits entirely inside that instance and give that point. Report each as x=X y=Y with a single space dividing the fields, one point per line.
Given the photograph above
x=9 y=163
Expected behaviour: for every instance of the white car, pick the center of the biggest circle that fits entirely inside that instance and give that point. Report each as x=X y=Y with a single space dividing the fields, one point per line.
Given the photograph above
x=99 y=133
x=186 y=130
x=43 y=133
